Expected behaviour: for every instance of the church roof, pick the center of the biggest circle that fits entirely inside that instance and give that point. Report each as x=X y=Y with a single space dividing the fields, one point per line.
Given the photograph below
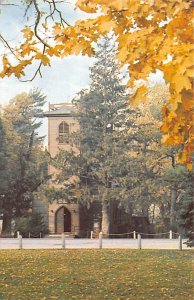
x=60 y=109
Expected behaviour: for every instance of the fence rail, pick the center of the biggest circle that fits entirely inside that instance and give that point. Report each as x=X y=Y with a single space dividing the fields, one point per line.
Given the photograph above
x=132 y=234
x=99 y=243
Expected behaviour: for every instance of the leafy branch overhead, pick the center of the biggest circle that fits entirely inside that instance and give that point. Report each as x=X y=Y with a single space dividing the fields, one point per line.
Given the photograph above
x=151 y=35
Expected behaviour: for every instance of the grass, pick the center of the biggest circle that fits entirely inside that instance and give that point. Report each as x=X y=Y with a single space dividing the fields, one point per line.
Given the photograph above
x=95 y=274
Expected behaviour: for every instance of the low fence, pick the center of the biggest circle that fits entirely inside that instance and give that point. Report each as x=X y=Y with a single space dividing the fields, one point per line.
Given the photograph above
x=134 y=234
x=138 y=241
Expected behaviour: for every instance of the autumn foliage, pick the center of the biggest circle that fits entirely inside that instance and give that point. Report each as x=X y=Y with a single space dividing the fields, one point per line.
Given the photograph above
x=151 y=35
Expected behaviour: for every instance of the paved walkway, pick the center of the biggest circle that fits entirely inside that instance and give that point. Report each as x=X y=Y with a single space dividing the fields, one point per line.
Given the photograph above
x=54 y=243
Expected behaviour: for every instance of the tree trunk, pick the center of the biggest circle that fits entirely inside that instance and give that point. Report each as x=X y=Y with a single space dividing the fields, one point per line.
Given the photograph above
x=105 y=218
x=153 y=214
x=173 y=208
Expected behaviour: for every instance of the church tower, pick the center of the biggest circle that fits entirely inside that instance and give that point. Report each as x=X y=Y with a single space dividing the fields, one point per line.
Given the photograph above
x=62 y=216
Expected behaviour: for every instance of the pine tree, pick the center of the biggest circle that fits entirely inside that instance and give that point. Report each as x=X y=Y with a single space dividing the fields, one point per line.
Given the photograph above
x=103 y=140
x=26 y=166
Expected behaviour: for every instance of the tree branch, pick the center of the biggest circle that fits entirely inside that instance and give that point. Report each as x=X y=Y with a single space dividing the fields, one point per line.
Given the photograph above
x=8 y=4
x=7 y=45
x=55 y=9
x=37 y=71
x=37 y=21
x=27 y=8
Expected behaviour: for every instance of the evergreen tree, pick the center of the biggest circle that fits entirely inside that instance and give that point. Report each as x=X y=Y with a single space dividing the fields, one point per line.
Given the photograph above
x=26 y=166
x=103 y=140
x=180 y=181
x=3 y=163
x=186 y=207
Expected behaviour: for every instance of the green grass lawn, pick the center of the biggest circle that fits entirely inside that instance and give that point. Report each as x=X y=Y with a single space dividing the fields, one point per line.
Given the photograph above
x=95 y=274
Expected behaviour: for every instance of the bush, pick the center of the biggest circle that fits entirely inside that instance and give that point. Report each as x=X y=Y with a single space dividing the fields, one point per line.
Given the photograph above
x=33 y=224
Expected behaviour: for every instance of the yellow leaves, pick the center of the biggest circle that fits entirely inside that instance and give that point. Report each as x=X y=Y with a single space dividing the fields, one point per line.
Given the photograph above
x=181 y=82
x=147 y=33
x=120 y=4
x=6 y=67
x=17 y=70
x=87 y=6
x=54 y=51
x=181 y=27
x=122 y=55
x=139 y=96
x=176 y=24
x=170 y=139
x=28 y=33
x=178 y=125
x=186 y=154
x=105 y=24
x=43 y=58
x=27 y=48
x=77 y=49
x=187 y=100
x=57 y=28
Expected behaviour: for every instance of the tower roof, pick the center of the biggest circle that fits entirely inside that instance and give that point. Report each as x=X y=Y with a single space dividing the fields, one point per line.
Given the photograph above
x=60 y=109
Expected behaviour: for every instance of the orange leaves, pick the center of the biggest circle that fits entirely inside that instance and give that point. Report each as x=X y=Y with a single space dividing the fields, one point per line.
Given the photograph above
x=17 y=70
x=54 y=51
x=28 y=33
x=139 y=96
x=43 y=58
x=6 y=67
x=106 y=24
x=120 y=5
x=187 y=153
x=122 y=55
x=147 y=33
x=188 y=100
x=178 y=125
x=181 y=82
x=87 y=6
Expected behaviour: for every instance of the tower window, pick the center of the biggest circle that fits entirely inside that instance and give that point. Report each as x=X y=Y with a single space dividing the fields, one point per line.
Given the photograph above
x=63 y=133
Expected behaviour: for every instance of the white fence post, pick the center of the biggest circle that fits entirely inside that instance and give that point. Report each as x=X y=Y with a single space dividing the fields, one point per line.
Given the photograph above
x=134 y=235
x=170 y=234
x=63 y=240
x=20 y=241
x=100 y=240
x=91 y=235
x=139 y=241
x=29 y=235
x=18 y=234
x=180 y=242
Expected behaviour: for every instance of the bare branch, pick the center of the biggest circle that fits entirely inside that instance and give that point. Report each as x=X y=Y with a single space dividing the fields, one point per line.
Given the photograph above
x=8 y=4
x=60 y=14
x=37 y=23
x=7 y=45
x=55 y=9
x=27 y=8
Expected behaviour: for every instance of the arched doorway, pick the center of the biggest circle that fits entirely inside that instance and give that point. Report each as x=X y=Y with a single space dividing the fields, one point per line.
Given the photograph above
x=62 y=220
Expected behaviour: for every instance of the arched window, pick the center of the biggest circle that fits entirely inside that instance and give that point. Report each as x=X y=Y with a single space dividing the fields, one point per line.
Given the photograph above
x=63 y=133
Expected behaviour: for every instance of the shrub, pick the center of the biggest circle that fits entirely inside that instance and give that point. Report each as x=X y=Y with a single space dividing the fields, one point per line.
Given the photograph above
x=33 y=224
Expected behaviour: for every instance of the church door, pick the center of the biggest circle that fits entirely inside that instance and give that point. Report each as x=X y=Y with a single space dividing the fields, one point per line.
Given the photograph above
x=62 y=220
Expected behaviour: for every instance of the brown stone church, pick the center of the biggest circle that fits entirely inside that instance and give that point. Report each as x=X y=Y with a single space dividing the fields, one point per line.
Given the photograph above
x=62 y=216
